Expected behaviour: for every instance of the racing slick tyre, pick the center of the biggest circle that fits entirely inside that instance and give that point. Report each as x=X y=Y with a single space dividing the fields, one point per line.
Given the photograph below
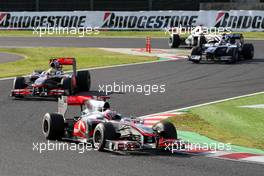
x=53 y=126
x=67 y=86
x=19 y=83
x=174 y=41
x=202 y=40
x=196 y=51
x=235 y=56
x=103 y=132
x=198 y=41
x=166 y=130
x=83 y=80
x=248 y=51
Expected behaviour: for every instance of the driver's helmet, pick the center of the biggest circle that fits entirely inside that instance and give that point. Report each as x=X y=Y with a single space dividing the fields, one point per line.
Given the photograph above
x=55 y=64
x=111 y=115
x=224 y=38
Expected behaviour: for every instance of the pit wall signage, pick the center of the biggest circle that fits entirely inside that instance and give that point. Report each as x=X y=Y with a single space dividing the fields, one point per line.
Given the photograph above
x=237 y=20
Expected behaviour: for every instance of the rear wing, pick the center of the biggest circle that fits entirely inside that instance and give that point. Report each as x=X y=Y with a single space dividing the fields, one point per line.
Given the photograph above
x=64 y=60
x=65 y=101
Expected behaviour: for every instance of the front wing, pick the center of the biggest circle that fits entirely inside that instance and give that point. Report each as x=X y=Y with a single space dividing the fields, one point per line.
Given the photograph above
x=31 y=92
x=125 y=145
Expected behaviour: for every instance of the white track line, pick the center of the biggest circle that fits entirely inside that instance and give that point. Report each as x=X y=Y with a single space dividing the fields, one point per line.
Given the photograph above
x=203 y=104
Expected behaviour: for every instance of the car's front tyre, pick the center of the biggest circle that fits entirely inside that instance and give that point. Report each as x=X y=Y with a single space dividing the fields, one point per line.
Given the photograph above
x=174 y=41
x=196 y=51
x=19 y=83
x=103 y=132
x=248 y=51
x=166 y=130
x=53 y=126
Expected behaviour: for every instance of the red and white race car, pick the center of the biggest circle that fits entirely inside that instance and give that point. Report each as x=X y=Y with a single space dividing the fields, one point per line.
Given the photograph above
x=44 y=83
x=104 y=128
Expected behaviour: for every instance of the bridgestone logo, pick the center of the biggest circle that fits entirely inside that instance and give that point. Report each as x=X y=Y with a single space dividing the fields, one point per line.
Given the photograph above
x=149 y=20
x=239 y=22
x=146 y=22
x=9 y=21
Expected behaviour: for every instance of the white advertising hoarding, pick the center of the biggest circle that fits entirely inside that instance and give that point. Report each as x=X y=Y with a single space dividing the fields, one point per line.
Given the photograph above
x=237 y=20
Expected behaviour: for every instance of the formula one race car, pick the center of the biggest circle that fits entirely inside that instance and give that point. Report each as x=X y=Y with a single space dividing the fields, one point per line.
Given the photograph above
x=230 y=49
x=197 y=38
x=53 y=82
x=104 y=128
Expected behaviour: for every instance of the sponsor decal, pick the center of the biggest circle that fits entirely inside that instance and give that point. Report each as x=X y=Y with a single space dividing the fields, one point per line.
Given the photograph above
x=224 y=19
x=111 y=20
x=8 y=20
x=149 y=20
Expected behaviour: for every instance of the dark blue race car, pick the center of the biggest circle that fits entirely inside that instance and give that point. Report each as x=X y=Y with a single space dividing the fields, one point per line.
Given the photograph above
x=230 y=49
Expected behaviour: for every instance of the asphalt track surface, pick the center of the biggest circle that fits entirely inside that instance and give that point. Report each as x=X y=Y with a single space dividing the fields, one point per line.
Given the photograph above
x=79 y=42
x=186 y=84
x=8 y=57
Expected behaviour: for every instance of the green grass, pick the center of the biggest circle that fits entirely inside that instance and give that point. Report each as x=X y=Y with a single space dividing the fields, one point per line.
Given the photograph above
x=143 y=34
x=253 y=35
x=227 y=122
x=37 y=58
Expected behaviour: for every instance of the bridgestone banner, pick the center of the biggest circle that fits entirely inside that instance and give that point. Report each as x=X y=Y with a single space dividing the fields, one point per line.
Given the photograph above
x=143 y=20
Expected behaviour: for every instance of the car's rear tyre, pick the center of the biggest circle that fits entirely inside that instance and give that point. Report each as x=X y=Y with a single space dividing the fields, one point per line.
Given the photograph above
x=67 y=86
x=53 y=126
x=248 y=51
x=196 y=51
x=174 y=41
x=103 y=132
x=83 y=80
x=166 y=130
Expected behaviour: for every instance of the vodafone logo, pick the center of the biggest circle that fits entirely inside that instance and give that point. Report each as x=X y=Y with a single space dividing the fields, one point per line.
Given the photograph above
x=79 y=129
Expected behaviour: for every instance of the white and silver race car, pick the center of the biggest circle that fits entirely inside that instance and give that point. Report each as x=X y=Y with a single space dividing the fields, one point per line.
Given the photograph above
x=197 y=38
